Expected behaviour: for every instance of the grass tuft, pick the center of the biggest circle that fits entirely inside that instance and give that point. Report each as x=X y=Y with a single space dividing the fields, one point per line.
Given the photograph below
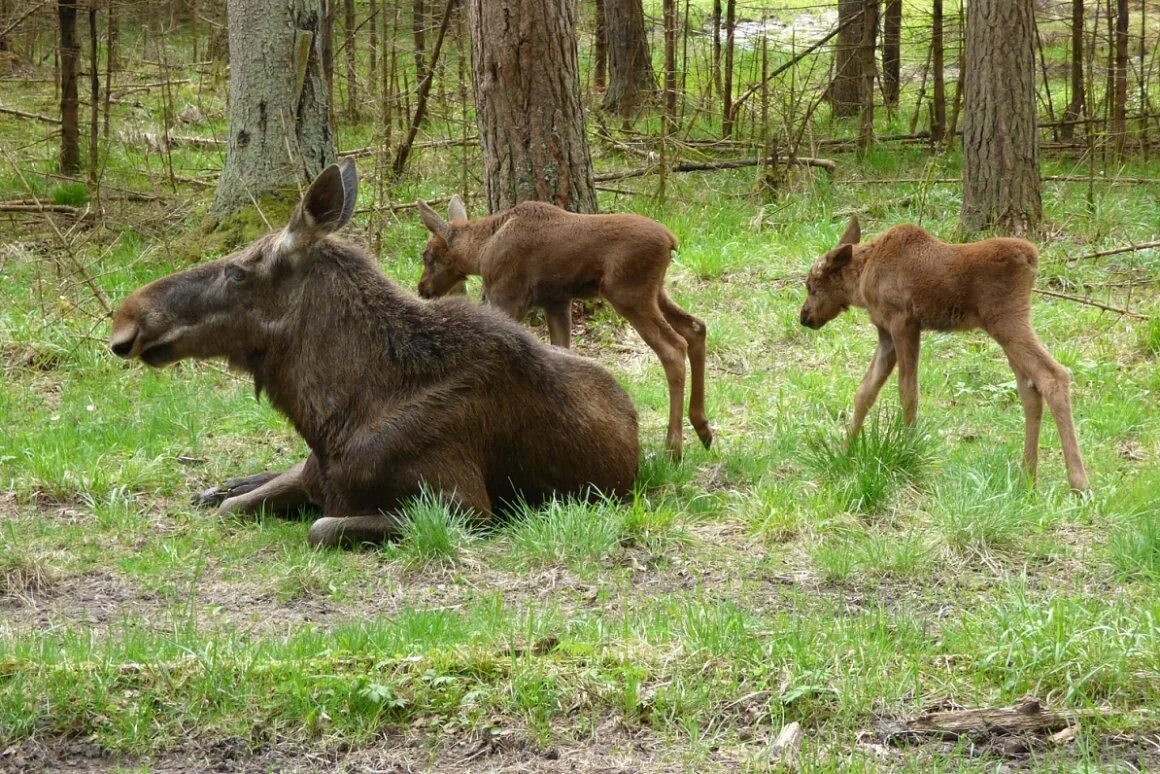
x=575 y=534
x=433 y=533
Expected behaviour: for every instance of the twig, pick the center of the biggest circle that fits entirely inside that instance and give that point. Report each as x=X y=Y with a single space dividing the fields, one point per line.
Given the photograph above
x=1118 y=250
x=1089 y=302
x=32 y=116
x=827 y=164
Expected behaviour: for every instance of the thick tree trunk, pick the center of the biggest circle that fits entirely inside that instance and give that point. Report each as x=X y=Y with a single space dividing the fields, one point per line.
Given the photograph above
x=1120 y=90
x=867 y=72
x=600 y=49
x=527 y=103
x=70 y=152
x=1000 y=141
x=854 y=64
x=349 y=22
x=1077 y=107
x=631 y=82
x=892 y=51
x=938 y=122
x=279 y=111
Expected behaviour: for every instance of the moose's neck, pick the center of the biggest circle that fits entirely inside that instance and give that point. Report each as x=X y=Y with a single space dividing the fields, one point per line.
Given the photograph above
x=470 y=240
x=852 y=276
x=348 y=350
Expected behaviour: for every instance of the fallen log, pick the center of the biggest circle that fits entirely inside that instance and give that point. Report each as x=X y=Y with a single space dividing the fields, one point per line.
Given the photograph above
x=827 y=164
x=21 y=207
x=1027 y=717
x=31 y=116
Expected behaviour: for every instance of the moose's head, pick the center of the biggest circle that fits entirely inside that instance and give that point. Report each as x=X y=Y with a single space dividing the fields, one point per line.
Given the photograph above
x=827 y=285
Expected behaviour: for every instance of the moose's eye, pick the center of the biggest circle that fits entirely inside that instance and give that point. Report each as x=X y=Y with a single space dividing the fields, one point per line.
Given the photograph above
x=236 y=273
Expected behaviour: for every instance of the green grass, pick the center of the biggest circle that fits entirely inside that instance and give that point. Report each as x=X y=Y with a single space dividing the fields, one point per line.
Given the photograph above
x=788 y=574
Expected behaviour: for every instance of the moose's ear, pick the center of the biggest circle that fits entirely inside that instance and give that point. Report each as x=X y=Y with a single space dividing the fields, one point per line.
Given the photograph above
x=456 y=210
x=435 y=224
x=327 y=206
x=839 y=257
x=853 y=233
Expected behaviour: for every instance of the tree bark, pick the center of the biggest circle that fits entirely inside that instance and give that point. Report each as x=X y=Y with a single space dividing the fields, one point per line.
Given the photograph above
x=349 y=22
x=631 y=82
x=727 y=73
x=854 y=57
x=94 y=93
x=892 y=51
x=1077 y=107
x=600 y=49
x=527 y=100
x=938 y=122
x=670 y=17
x=866 y=72
x=1120 y=103
x=419 y=36
x=280 y=130
x=1000 y=141
x=70 y=153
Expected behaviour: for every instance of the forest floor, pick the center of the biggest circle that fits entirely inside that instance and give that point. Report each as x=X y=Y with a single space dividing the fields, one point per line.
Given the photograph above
x=777 y=578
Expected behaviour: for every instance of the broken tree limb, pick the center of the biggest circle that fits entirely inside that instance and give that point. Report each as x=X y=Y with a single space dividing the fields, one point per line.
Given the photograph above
x=1027 y=717
x=826 y=164
x=1089 y=302
x=1118 y=250
x=31 y=116
x=20 y=207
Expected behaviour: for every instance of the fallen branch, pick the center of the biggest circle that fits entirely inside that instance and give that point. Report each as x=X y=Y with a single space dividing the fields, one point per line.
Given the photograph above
x=19 y=207
x=1027 y=717
x=1089 y=302
x=1118 y=250
x=30 y=116
x=1045 y=178
x=129 y=89
x=608 y=177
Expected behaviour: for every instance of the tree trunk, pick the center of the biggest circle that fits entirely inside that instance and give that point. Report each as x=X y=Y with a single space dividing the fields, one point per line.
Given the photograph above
x=717 y=45
x=349 y=23
x=631 y=82
x=419 y=36
x=846 y=88
x=727 y=74
x=1120 y=103
x=527 y=103
x=670 y=17
x=373 y=51
x=892 y=51
x=94 y=93
x=1000 y=141
x=70 y=153
x=279 y=110
x=938 y=122
x=867 y=70
x=1077 y=108
x=600 y=49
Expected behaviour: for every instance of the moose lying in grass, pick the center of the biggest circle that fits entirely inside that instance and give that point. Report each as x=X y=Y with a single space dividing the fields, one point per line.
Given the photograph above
x=910 y=282
x=535 y=254
x=392 y=394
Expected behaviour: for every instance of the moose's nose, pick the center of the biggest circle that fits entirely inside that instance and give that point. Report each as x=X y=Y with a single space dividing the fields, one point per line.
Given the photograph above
x=806 y=319
x=122 y=341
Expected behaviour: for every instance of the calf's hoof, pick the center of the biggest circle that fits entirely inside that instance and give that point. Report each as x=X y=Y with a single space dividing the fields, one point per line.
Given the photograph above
x=705 y=433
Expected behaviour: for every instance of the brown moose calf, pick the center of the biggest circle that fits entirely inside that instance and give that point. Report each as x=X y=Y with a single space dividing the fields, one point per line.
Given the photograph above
x=909 y=282
x=535 y=254
x=392 y=394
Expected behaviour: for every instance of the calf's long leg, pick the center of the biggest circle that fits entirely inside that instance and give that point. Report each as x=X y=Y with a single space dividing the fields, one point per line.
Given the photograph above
x=560 y=323
x=692 y=330
x=650 y=323
x=906 y=338
x=880 y=368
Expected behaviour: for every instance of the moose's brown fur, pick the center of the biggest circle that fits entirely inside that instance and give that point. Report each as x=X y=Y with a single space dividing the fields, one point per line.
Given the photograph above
x=536 y=254
x=909 y=282
x=392 y=394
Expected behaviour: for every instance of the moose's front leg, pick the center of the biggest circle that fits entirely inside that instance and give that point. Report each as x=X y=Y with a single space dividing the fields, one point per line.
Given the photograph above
x=283 y=493
x=906 y=339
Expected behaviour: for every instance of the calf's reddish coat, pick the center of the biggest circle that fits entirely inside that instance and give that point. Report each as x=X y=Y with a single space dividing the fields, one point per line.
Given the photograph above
x=909 y=282
x=392 y=394
x=535 y=254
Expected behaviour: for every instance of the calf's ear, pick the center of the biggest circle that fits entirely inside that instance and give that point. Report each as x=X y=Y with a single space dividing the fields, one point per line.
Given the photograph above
x=435 y=224
x=456 y=210
x=852 y=234
x=327 y=206
x=839 y=257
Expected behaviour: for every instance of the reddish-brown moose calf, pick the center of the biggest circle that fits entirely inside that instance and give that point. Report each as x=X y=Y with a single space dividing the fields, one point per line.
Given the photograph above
x=392 y=394
x=535 y=254
x=909 y=282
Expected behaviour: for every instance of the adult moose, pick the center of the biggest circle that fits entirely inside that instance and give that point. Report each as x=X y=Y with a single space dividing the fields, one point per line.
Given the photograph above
x=392 y=394
x=536 y=254
x=910 y=282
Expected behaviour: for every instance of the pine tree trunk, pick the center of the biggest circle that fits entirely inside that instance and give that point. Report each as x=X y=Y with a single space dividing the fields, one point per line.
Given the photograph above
x=419 y=36
x=727 y=72
x=892 y=51
x=1120 y=103
x=600 y=49
x=94 y=93
x=845 y=90
x=349 y=22
x=631 y=82
x=866 y=67
x=938 y=122
x=1000 y=141
x=527 y=101
x=1077 y=107
x=670 y=17
x=279 y=111
x=70 y=153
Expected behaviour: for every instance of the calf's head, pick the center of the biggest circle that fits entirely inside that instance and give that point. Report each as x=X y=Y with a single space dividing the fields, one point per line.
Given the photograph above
x=445 y=263
x=827 y=285
x=229 y=307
